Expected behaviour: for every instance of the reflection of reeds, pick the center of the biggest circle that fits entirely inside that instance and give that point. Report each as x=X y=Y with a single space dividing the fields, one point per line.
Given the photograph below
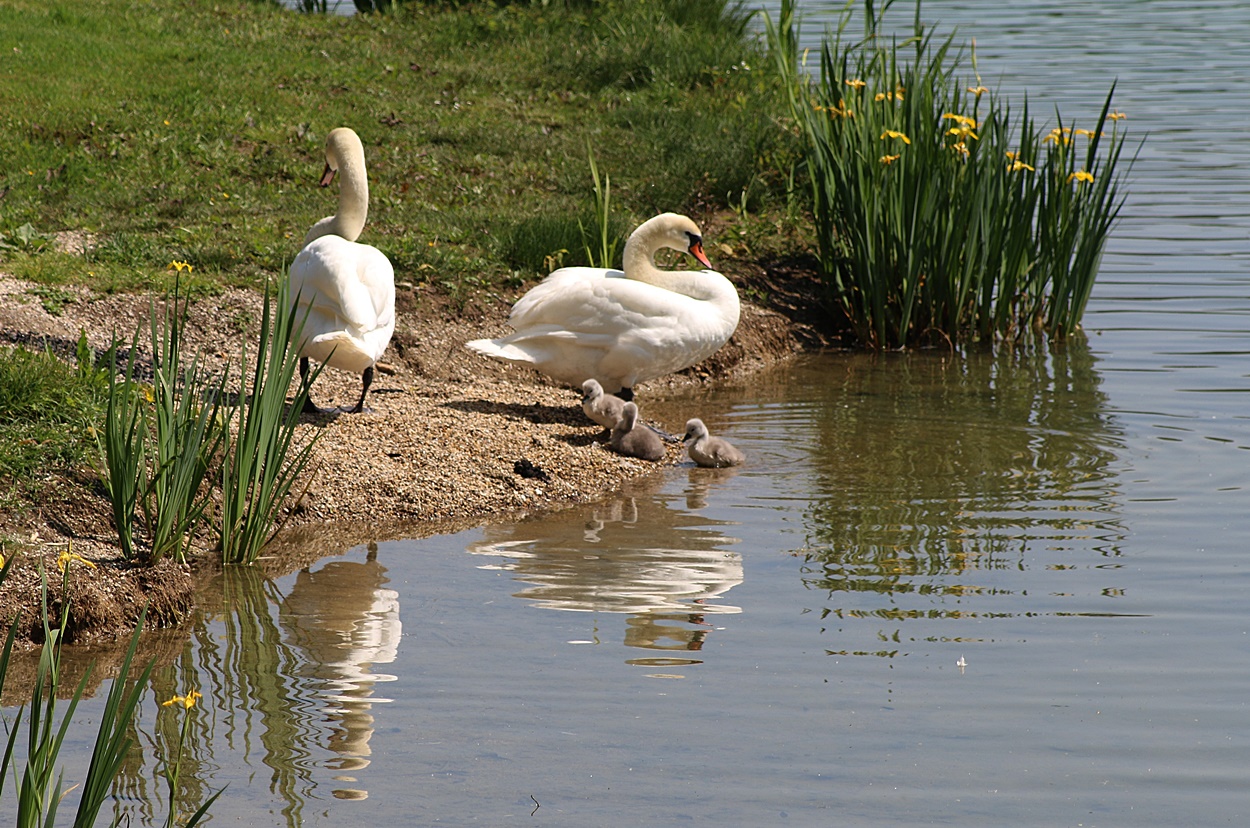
x=252 y=679
x=961 y=466
x=246 y=675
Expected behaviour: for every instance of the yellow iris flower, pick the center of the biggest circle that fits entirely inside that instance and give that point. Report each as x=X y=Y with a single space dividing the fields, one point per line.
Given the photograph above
x=1080 y=175
x=66 y=557
x=891 y=133
x=962 y=120
x=188 y=701
x=896 y=95
x=1059 y=136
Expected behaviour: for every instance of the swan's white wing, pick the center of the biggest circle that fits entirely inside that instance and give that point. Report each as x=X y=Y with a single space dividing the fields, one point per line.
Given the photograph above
x=348 y=293
x=369 y=300
x=582 y=323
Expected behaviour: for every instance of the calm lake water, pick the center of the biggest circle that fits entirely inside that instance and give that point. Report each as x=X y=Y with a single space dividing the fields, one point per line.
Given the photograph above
x=986 y=590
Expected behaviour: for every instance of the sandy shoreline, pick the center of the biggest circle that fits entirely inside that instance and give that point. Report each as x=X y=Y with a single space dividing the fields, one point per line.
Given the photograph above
x=438 y=451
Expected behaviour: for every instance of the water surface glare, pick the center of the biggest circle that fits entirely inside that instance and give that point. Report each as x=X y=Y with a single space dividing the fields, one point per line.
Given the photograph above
x=995 y=590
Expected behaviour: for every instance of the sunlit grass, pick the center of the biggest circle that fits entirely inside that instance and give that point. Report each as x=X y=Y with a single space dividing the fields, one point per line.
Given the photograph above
x=51 y=411
x=196 y=132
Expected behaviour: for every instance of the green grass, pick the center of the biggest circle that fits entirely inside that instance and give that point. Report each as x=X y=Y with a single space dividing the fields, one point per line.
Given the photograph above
x=52 y=411
x=195 y=132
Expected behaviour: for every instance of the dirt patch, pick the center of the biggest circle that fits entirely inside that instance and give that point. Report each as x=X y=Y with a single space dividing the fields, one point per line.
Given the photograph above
x=438 y=452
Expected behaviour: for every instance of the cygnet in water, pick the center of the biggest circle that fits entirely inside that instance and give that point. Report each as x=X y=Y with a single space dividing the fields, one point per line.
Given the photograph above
x=604 y=409
x=708 y=451
x=633 y=439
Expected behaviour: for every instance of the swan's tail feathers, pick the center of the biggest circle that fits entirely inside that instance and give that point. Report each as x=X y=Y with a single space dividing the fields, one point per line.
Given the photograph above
x=338 y=350
x=498 y=350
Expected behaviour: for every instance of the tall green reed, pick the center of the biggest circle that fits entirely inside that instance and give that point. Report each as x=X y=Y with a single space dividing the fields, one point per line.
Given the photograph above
x=264 y=459
x=941 y=217
x=187 y=433
x=40 y=788
x=161 y=440
x=600 y=242
x=124 y=448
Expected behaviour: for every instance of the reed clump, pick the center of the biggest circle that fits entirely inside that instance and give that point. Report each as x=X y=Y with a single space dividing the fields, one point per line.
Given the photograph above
x=161 y=440
x=264 y=456
x=38 y=781
x=940 y=215
x=166 y=444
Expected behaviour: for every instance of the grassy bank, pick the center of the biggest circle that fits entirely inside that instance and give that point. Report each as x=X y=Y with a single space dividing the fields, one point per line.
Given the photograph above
x=194 y=131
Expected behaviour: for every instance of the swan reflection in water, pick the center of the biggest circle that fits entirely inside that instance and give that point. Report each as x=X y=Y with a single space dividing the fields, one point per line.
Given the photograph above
x=346 y=622
x=630 y=554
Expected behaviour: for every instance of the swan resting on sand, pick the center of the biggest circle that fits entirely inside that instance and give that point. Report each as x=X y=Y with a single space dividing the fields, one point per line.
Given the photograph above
x=623 y=327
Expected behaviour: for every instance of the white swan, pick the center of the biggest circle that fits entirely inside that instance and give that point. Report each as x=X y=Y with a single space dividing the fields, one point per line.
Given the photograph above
x=343 y=292
x=623 y=328
x=708 y=451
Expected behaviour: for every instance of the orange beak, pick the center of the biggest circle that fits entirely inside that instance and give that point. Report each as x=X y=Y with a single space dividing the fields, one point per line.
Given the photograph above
x=327 y=176
x=696 y=250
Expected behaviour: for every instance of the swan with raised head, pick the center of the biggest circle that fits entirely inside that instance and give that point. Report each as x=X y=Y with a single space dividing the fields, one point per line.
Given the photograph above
x=623 y=327
x=343 y=291
x=708 y=451
x=634 y=439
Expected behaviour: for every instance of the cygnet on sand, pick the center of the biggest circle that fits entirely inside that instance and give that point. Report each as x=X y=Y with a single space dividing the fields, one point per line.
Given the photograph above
x=604 y=409
x=640 y=442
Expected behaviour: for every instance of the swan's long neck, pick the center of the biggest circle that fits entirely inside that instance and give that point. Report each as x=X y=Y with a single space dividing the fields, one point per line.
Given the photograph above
x=638 y=262
x=349 y=221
